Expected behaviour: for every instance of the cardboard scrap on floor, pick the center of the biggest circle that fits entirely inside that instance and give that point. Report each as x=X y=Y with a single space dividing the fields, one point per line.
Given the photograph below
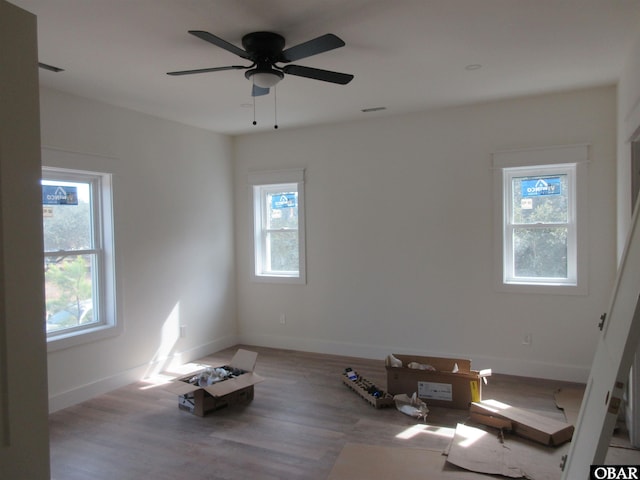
x=569 y=400
x=524 y=423
x=380 y=462
x=473 y=452
x=485 y=452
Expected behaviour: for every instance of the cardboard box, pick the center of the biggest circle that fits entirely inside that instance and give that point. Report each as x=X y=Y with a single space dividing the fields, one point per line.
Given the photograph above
x=361 y=386
x=440 y=388
x=523 y=422
x=202 y=400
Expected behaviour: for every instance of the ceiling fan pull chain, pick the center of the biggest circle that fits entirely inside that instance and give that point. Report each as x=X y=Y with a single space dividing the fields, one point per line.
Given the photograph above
x=275 y=108
x=254 y=109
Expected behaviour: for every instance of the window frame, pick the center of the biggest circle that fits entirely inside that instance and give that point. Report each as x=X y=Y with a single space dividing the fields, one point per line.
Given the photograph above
x=262 y=183
x=104 y=293
x=571 y=160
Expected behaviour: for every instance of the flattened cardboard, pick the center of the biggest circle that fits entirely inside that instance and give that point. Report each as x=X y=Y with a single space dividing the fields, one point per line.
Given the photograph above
x=480 y=451
x=525 y=423
x=437 y=388
x=377 y=462
x=569 y=400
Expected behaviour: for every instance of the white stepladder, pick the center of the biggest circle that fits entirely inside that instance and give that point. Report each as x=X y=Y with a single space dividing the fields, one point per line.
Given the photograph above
x=609 y=375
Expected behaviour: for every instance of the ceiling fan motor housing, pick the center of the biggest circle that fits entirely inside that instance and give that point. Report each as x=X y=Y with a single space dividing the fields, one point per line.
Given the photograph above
x=263 y=47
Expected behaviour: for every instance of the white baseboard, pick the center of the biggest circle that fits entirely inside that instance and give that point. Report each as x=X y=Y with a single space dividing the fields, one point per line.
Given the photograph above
x=100 y=386
x=508 y=366
x=87 y=391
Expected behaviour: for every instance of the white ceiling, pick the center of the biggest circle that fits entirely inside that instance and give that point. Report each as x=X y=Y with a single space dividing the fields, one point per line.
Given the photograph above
x=406 y=55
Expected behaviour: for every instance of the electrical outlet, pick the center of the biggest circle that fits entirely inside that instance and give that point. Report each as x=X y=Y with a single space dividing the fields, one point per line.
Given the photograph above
x=283 y=319
x=527 y=339
x=183 y=331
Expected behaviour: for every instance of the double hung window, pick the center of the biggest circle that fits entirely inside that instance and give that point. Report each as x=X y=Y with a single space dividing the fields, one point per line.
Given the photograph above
x=78 y=253
x=540 y=198
x=539 y=228
x=278 y=221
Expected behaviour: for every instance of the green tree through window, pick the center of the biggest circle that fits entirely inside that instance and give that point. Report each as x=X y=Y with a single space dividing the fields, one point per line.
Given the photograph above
x=71 y=253
x=540 y=229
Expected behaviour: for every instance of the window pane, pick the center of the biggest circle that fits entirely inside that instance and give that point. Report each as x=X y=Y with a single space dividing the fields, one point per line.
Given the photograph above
x=540 y=252
x=540 y=199
x=278 y=226
x=66 y=216
x=283 y=251
x=282 y=210
x=69 y=288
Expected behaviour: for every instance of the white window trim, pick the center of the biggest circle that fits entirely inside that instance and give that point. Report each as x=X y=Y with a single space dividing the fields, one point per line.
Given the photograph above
x=273 y=178
x=527 y=160
x=65 y=162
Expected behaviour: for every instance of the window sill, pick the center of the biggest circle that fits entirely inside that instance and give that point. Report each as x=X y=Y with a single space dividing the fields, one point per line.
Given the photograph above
x=542 y=289
x=73 y=339
x=279 y=279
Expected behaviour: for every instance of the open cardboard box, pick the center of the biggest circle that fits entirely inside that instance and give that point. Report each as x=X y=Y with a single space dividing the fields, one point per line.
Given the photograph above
x=442 y=387
x=223 y=393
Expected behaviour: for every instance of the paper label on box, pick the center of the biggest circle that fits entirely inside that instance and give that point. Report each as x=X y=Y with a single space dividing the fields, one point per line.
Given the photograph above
x=435 y=391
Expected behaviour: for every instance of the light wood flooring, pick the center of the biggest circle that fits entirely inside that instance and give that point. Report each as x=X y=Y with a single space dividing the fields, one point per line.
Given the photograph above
x=296 y=426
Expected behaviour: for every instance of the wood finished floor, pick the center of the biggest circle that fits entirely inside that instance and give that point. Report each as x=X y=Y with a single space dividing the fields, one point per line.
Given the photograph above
x=300 y=419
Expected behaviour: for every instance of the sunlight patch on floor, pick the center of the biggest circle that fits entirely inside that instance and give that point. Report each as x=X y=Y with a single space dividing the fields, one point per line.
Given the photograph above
x=425 y=429
x=470 y=435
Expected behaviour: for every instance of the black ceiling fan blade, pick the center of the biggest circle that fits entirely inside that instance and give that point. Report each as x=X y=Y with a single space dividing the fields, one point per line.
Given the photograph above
x=206 y=70
x=317 y=74
x=312 y=47
x=50 y=67
x=217 y=41
x=257 y=91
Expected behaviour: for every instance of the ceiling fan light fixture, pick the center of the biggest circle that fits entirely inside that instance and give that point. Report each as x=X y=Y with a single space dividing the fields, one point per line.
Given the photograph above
x=265 y=79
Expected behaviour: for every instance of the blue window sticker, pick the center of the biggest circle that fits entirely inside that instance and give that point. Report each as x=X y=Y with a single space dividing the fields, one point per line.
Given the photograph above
x=59 y=195
x=537 y=187
x=284 y=200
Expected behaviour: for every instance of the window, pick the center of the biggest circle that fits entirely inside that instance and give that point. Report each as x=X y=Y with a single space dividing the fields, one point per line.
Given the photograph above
x=278 y=219
x=539 y=226
x=78 y=253
x=539 y=234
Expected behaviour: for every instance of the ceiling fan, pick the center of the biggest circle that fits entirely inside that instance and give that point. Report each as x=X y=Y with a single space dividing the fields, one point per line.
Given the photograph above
x=264 y=50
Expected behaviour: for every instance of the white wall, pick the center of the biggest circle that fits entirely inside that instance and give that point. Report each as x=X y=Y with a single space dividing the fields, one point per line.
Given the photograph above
x=400 y=240
x=174 y=241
